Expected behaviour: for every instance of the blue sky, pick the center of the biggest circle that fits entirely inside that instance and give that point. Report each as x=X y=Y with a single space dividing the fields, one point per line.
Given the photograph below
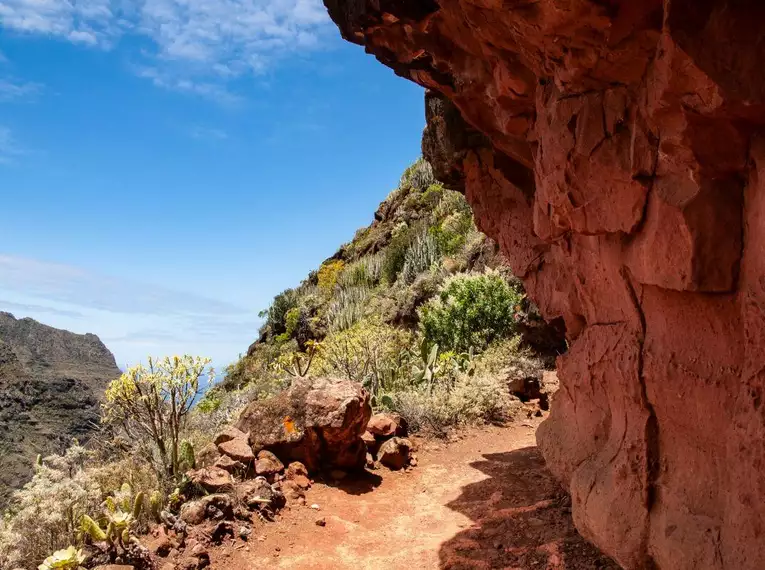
x=168 y=166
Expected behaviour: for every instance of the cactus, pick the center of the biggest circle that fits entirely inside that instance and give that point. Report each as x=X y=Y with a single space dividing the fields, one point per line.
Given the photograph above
x=121 y=512
x=67 y=559
x=155 y=506
x=429 y=368
x=188 y=457
x=92 y=529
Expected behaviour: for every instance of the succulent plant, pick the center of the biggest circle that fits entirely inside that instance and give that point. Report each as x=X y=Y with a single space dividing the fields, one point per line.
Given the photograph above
x=68 y=559
x=188 y=457
x=121 y=512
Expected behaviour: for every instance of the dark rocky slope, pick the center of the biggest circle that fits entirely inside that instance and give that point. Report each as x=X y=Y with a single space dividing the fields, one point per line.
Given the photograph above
x=614 y=149
x=51 y=385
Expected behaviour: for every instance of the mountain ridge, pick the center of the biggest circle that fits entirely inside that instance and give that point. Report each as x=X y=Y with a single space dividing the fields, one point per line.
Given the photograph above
x=52 y=383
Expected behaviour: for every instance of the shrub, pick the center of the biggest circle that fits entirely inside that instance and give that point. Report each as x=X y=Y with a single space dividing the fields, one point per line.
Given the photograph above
x=395 y=256
x=472 y=400
x=152 y=404
x=276 y=314
x=347 y=307
x=45 y=514
x=419 y=175
x=328 y=273
x=370 y=352
x=366 y=272
x=470 y=311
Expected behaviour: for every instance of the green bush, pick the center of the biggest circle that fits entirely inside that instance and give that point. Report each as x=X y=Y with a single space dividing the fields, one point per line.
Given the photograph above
x=470 y=311
x=276 y=314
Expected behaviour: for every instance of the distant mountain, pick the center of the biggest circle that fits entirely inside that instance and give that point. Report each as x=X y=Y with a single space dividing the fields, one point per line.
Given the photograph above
x=51 y=385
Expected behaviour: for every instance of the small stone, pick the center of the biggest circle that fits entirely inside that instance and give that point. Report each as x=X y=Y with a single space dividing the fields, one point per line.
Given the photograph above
x=387 y=425
x=268 y=464
x=413 y=462
x=214 y=507
x=238 y=449
x=394 y=453
x=315 y=507
x=230 y=465
x=296 y=469
x=244 y=532
x=321 y=522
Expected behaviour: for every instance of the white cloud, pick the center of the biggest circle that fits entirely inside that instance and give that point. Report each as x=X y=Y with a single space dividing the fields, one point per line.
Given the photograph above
x=134 y=319
x=195 y=45
x=75 y=20
x=12 y=89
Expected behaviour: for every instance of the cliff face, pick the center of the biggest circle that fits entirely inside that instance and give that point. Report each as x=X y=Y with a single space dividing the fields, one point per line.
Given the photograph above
x=613 y=149
x=51 y=385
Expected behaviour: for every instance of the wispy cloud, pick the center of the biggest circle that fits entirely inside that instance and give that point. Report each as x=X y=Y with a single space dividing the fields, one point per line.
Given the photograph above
x=15 y=90
x=133 y=318
x=9 y=147
x=196 y=46
x=28 y=308
x=69 y=284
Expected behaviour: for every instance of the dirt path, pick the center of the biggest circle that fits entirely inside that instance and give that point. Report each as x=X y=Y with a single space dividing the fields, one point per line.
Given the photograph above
x=482 y=502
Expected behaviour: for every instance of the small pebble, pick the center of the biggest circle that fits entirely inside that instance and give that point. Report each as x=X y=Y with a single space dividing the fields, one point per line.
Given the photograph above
x=315 y=507
x=321 y=522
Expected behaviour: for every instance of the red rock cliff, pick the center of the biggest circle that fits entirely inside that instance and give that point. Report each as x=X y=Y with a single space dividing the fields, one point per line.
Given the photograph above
x=613 y=148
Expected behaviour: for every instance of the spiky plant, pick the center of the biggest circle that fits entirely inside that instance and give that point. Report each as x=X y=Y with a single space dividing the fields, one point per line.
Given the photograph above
x=421 y=256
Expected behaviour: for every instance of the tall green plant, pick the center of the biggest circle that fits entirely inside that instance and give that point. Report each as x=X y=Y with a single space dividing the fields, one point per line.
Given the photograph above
x=470 y=311
x=153 y=403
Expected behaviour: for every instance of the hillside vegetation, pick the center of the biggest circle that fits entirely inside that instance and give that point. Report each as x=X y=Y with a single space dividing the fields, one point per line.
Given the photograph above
x=414 y=306
x=419 y=307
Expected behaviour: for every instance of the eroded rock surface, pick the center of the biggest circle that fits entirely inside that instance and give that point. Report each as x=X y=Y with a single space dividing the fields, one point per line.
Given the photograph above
x=52 y=383
x=613 y=148
x=318 y=421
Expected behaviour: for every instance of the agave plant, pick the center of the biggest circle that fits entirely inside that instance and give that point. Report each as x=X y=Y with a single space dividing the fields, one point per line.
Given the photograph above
x=68 y=559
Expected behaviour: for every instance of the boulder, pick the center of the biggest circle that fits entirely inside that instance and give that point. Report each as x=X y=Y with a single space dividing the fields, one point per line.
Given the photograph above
x=318 y=421
x=208 y=455
x=387 y=425
x=237 y=448
x=395 y=453
x=228 y=464
x=211 y=507
x=228 y=434
x=211 y=479
x=268 y=465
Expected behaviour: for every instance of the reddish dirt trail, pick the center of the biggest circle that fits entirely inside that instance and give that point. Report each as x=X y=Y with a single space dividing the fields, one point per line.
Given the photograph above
x=483 y=502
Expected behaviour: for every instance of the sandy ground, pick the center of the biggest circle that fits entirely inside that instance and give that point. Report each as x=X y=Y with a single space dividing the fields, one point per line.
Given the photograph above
x=483 y=502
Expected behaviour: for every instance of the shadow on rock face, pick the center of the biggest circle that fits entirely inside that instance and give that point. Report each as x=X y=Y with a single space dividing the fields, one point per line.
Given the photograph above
x=521 y=519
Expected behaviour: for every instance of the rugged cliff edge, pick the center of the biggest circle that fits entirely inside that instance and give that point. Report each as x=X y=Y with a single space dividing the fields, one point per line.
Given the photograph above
x=613 y=149
x=51 y=385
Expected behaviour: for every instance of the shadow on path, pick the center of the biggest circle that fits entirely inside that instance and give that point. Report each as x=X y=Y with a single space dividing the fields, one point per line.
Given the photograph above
x=521 y=520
